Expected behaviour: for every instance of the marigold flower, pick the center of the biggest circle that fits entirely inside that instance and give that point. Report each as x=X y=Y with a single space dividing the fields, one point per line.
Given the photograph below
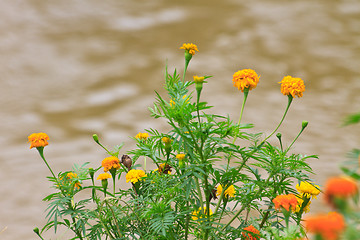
x=198 y=79
x=69 y=176
x=329 y=226
x=285 y=201
x=134 y=175
x=308 y=189
x=110 y=162
x=245 y=79
x=166 y=140
x=249 y=236
x=200 y=213
x=292 y=86
x=300 y=203
x=103 y=176
x=164 y=168
x=180 y=156
x=142 y=136
x=340 y=187
x=190 y=48
x=38 y=140
x=229 y=192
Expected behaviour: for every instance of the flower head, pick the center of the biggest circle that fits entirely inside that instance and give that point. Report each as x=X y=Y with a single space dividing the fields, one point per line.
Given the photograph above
x=329 y=226
x=164 y=168
x=142 y=136
x=308 y=189
x=190 y=48
x=340 y=187
x=254 y=235
x=229 y=192
x=180 y=156
x=292 y=86
x=285 y=201
x=103 y=176
x=200 y=213
x=134 y=175
x=245 y=79
x=198 y=79
x=38 y=140
x=110 y=162
x=166 y=140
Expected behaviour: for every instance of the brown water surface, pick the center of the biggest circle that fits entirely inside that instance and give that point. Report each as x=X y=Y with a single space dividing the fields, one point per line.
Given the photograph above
x=74 y=68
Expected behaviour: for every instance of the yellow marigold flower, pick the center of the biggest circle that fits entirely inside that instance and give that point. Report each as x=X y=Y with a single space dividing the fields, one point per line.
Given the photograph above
x=38 y=140
x=245 y=79
x=110 y=162
x=103 y=176
x=340 y=187
x=328 y=226
x=285 y=201
x=249 y=236
x=189 y=47
x=198 y=79
x=229 y=192
x=300 y=202
x=200 y=213
x=134 y=175
x=142 y=136
x=292 y=86
x=308 y=189
x=166 y=140
x=180 y=156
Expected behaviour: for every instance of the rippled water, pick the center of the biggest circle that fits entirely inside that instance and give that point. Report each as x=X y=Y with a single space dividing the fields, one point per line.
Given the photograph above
x=74 y=68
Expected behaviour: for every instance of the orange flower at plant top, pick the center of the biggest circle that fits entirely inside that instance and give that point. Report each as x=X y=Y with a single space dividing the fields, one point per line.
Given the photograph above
x=308 y=189
x=285 y=201
x=245 y=79
x=134 y=175
x=142 y=136
x=229 y=192
x=38 y=140
x=110 y=162
x=340 y=187
x=328 y=226
x=103 y=176
x=292 y=86
x=254 y=235
x=189 y=47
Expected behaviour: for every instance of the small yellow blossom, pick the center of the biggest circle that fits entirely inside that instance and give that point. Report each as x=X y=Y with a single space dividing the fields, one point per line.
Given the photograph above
x=200 y=213
x=134 y=175
x=110 y=162
x=308 y=190
x=142 y=136
x=292 y=86
x=229 y=192
x=198 y=79
x=166 y=140
x=103 y=176
x=180 y=156
x=189 y=47
x=245 y=79
x=38 y=140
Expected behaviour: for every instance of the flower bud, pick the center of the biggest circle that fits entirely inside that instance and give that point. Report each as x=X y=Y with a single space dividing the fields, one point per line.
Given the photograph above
x=304 y=124
x=91 y=173
x=96 y=138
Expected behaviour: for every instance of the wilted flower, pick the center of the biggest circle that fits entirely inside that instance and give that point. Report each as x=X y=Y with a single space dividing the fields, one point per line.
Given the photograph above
x=142 y=136
x=285 y=201
x=134 y=175
x=292 y=86
x=328 y=226
x=110 y=162
x=200 y=213
x=255 y=233
x=38 y=140
x=245 y=79
x=229 y=192
x=190 y=48
x=164 y=168
x=308 y=189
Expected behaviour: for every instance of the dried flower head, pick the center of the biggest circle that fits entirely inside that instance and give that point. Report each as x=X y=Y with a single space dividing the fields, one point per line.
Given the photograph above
x=163 y=168
x=229 y=192
x=285 y=201
x=110 y=162
x=245 y=79
x=292 y=86
x=200 y=213
x=308 y=189
x=340 y=187
x=328 y=226
x=190 y=48
x=254 y=235
x=103 y=176
x=38 y=140
x=134 y=175
x=126 y=160
x=142 y=136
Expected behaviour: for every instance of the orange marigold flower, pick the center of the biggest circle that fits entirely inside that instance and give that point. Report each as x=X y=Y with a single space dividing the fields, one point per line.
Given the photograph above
x=285 y=201
x=142 y=136
x=110 y=162
x=134 y=175
x=189 y=47
x=245 y=79
x=255 y=235
x=329 y=226
x=38 y=140
x=292 y=86
x=229 y=192
x=103 y=176
x=340 y=187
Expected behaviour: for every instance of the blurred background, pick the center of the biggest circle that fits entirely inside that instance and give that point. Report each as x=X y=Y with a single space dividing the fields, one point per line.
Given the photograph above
x=74 y=68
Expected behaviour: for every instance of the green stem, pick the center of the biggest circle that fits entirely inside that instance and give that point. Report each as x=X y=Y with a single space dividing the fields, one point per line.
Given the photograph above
x=185 y=68
x=294 y=140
